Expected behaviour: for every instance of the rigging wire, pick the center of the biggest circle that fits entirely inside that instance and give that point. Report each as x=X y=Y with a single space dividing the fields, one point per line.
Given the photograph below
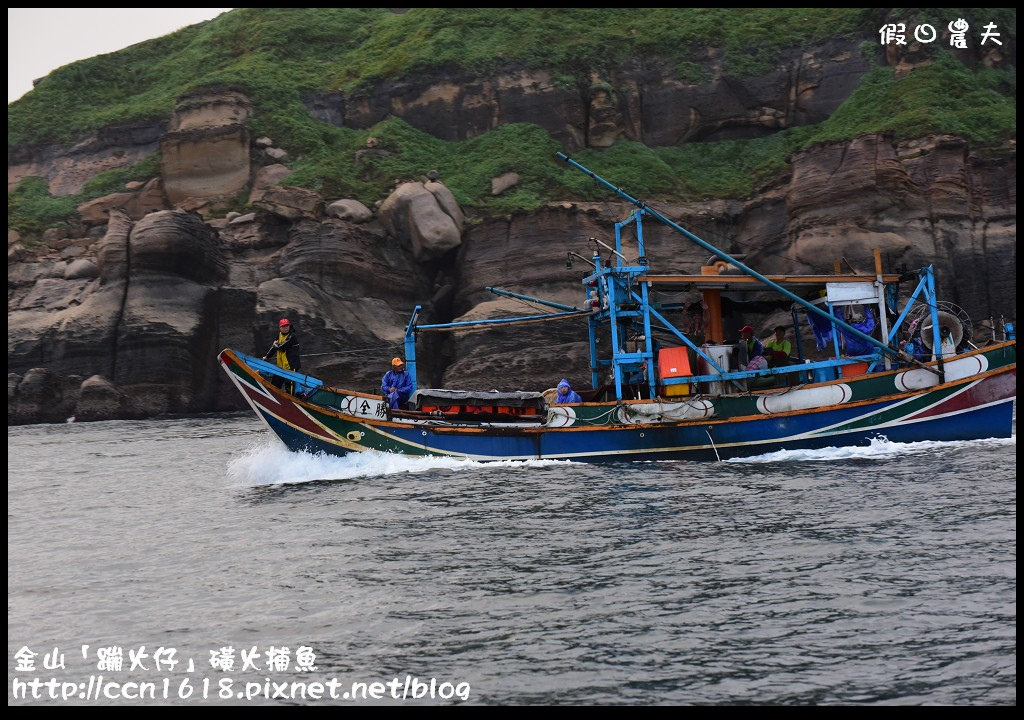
x=348 y=352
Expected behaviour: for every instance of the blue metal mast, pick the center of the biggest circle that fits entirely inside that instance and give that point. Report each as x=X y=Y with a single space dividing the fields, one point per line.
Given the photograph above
x=729 y=259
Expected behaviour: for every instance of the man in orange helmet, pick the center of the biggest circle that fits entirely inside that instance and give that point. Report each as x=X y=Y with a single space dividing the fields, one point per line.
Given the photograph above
x=396 y=385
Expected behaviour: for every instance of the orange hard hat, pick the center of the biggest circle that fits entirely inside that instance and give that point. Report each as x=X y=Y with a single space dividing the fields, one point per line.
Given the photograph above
x=397 y=361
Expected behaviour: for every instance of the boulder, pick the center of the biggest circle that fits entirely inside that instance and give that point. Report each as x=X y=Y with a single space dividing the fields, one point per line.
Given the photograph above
x=242 y=219
x=415 y=215
x=53 y=237
x=503 y=182
x=178 y=243
x=351 y=210
x=100 y=399
x=16 y=253
x=266 y=177
x=290 y=203
x=40 y=396
x=446 y=201
x=81 y=268
x=95 y=212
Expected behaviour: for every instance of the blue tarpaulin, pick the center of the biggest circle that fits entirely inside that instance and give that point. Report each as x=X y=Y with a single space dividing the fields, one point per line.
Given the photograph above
x=853 y=345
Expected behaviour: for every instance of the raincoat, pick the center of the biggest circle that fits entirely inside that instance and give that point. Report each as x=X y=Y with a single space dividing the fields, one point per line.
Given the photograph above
x=566 y=394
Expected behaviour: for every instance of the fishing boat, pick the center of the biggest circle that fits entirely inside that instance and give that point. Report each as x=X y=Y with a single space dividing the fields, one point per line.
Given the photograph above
x=661 y=393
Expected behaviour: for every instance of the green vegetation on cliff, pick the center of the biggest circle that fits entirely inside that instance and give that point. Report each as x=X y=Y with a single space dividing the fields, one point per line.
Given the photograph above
x=31 y=208
x=276 y=55
x=279 y=56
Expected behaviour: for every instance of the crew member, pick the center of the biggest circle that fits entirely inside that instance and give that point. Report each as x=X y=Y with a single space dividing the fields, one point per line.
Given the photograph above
x=284 y=352
x=396 y=385
x=566 y=394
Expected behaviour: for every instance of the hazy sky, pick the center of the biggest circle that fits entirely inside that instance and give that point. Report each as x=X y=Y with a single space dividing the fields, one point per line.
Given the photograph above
x=40 y=40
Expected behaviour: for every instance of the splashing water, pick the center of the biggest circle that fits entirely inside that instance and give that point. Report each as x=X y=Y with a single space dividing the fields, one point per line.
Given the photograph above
x=270 y=463
x=881 y=448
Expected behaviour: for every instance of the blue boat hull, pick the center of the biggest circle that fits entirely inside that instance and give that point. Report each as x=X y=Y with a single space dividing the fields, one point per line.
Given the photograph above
x=706 y=441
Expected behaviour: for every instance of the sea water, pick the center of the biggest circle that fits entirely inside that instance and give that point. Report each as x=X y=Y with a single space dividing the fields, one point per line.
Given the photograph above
x=860 y=576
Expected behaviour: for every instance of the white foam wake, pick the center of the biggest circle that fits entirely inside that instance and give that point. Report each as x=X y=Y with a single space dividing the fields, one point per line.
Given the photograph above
x=271 y=463
x=879 y=449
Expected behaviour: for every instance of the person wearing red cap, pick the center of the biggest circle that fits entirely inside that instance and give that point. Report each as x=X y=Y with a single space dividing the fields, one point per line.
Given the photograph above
x=396 y=385
x=285 y=351
x=751 y=351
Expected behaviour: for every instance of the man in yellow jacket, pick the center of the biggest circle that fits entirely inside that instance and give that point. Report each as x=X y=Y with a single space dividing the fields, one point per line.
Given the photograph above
x=285 y=351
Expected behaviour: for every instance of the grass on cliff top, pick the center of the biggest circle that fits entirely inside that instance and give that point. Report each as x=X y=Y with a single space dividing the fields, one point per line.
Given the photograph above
x=278 y=55
x=943 y=97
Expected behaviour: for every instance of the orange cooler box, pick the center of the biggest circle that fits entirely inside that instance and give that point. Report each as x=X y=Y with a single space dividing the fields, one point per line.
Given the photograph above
x=674 y=362
x=854 y=369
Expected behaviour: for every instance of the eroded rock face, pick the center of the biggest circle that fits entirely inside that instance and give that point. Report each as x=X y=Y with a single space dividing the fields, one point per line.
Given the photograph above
x=172 y=292
x=68 y=169
x=141 y=321
x=166 y=325
x=646 y=102
x=462 y=106
x=349 y=290
x=208 y=165
x=169 y=291
x=527 y=255
x=205 y=155
x=920 y=202
x=112 y=250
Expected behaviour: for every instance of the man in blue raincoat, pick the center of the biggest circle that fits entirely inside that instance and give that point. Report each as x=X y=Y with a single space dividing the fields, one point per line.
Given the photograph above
x=566 y=394
x=396 y=385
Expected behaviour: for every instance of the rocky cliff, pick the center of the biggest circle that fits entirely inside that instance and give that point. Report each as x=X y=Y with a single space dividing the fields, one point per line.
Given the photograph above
x=122 y=314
